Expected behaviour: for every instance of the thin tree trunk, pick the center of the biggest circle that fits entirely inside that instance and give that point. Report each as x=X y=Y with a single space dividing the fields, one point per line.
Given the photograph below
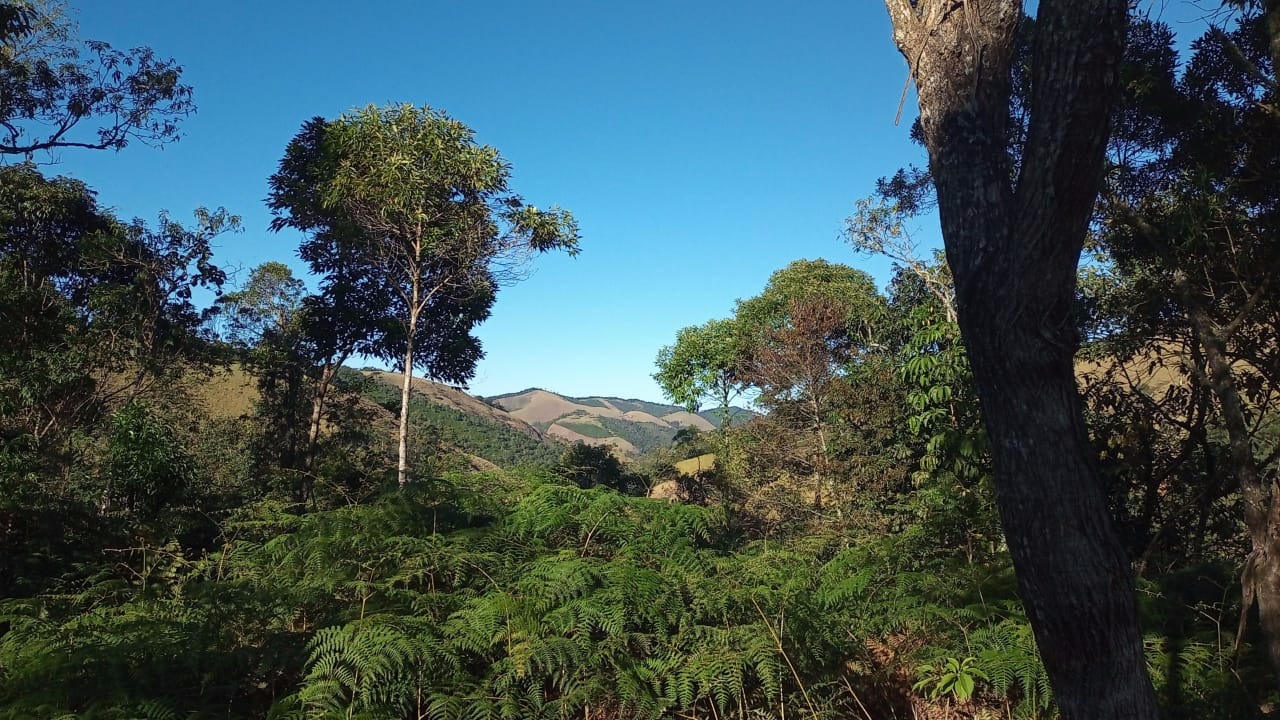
x=403 y=464
x=821 y=468
x=415 y=307
x=1260 y=581
x=1013 y=248
x=727 y=464
x=317 y=413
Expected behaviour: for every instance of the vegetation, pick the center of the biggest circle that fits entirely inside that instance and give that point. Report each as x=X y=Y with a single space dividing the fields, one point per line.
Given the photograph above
x=468 y=433
x=414 y=226
x=878 y=542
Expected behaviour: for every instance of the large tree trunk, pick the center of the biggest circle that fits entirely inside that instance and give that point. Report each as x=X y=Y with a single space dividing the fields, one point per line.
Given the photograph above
x=1013 y=250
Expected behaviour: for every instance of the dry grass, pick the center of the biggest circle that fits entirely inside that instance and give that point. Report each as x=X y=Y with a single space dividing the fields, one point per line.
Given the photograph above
x=227 y=393
x=693 y=466
x=688 y=419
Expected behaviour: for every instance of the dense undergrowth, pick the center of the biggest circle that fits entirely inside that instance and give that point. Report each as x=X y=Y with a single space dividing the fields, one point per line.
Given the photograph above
x=489 y=596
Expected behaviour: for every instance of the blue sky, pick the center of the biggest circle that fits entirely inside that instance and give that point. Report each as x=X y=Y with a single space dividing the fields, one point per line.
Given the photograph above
x=701 y=145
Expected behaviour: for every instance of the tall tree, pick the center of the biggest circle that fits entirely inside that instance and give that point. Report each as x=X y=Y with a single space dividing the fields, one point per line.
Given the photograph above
x=416 y=219
x=1194 y=185
x=1014 y=227
x=264 y=319
x=797 y=366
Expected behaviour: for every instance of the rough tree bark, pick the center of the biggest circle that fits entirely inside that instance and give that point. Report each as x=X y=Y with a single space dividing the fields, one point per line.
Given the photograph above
x=1013 y=245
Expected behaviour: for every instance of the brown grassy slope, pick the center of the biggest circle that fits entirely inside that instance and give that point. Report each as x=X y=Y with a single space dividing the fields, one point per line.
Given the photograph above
x=540 y=406
x=226 y=393
x=454 y=398
x=695 y=465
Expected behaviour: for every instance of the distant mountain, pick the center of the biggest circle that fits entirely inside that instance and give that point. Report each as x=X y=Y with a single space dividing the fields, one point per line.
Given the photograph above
x=532 y=426
x=631 y=426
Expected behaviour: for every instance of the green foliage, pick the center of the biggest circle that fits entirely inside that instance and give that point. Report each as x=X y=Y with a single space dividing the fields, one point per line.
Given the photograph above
x=591 y=430
x=52 y=82
x=469 y=433
x=702 y=365
x=145 y=469
x=646 y=437
x=408 y=216
x=590 y=466
x=953 y=677
x=156 y=563
x=266 y=304
x=489 y=596
x=852 y=290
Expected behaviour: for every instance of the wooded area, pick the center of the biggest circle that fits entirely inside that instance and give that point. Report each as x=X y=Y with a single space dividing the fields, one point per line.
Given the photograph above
x=1033 y=476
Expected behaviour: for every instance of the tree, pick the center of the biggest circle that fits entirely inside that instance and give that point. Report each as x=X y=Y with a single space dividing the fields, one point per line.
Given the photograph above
x=878 y=228
x=412 y=217
x=591 y=466
x=1014 y=227
x=852 y=290
x=797 y=367
x=1192 y=185
x=89 y=299
x=266 y=304
x=702 y=365
x=52 y=82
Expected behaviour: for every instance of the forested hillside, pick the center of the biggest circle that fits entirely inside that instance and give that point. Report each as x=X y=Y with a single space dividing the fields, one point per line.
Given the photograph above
x=1013 y=481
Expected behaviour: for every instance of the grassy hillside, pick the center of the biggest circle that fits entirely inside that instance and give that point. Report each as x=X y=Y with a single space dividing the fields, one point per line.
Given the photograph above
x=633 y=426
x=500 y=443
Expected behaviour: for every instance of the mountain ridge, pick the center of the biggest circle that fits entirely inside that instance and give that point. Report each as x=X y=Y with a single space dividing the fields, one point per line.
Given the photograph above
x=631 y=425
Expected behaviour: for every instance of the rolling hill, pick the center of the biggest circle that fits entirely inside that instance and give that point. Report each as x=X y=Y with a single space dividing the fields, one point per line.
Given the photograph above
x=531 y=426
x=631 y=426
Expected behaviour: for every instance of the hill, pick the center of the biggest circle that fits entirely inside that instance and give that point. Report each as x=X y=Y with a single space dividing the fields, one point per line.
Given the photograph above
x=531 y=426
x=632 y=426
x=465 y=422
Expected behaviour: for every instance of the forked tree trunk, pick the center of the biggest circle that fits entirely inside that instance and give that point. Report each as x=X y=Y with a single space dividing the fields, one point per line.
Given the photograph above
x=1260 y=581
x=1013 y=248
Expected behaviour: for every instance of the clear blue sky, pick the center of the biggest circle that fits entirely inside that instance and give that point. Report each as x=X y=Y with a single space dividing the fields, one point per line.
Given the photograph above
x=701 y=145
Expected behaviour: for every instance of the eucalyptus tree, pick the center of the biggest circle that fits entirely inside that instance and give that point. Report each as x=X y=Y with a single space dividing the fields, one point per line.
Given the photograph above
x=414 y=227
x=1014 y=225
